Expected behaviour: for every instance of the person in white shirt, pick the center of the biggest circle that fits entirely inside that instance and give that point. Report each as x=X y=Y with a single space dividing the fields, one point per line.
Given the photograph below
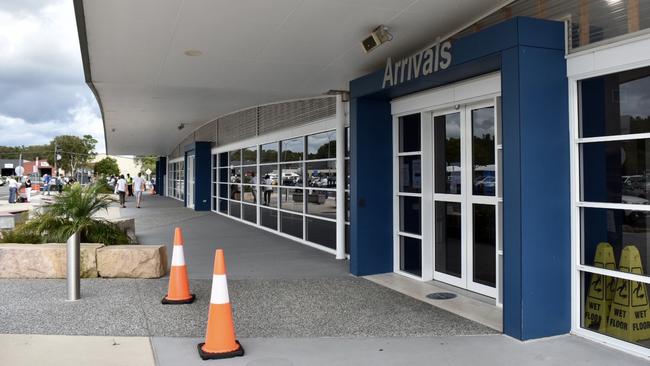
x=120 y=188
x=13 y=189
x=138 y=188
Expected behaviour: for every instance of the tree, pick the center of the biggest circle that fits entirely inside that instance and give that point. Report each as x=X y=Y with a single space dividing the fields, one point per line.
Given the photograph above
x=75 y=152
x=147 y=162
x=107 y=166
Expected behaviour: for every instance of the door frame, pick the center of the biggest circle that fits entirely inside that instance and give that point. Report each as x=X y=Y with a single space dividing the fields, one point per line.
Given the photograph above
x=485 y=89
x=190 y=174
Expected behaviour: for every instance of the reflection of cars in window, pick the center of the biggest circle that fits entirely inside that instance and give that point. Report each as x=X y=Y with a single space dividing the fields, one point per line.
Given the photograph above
x=634 y=185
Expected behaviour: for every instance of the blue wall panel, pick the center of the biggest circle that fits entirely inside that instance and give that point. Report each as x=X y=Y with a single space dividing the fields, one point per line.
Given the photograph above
x=545 y=193
x=161 y=171
x=202 y=174
x=371 y=194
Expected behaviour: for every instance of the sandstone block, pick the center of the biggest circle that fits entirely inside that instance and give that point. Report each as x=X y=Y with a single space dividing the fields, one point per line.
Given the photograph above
x=132 y=261
x=44 y=260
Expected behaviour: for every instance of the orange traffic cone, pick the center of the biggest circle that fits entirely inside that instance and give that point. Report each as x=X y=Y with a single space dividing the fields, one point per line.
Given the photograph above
x=179 y=283
x=220 y=339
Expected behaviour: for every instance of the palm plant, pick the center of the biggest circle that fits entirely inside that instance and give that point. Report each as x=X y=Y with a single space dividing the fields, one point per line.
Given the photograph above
x=75 y=211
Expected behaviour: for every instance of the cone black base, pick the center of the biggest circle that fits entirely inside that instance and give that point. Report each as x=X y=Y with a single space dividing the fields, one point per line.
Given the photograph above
x=217 y=356
x=166 y=301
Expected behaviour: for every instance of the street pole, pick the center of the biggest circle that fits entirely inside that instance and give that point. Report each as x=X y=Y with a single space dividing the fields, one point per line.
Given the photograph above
x=73 y=280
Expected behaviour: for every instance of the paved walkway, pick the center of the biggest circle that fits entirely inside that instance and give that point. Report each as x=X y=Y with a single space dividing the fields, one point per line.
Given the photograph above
x=293 y=305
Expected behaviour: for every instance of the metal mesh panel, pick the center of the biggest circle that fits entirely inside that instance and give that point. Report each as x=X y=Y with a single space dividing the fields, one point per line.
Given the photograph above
x=289 y=114
x=207 y=132
x=590 y=20
x=237 y=126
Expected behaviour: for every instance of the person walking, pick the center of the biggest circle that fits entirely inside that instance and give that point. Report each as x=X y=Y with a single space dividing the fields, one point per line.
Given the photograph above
x=254 y=187
x=46 y=183
x=120 y=188
x=138 y=188
x=129 y=183
x=59 y=183
x=28 y=189
x=268 y=190
x=13 y=189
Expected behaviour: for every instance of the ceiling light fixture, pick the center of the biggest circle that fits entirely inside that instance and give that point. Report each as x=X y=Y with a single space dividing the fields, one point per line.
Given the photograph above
x=193 y=53
x=181 y=126
x=378 y=36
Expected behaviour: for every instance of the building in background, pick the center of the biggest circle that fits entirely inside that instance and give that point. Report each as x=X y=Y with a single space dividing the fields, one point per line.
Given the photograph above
x=499 y=147
x=127 y=163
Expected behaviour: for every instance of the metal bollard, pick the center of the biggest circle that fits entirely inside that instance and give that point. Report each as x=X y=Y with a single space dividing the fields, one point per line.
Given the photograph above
x=74 y=283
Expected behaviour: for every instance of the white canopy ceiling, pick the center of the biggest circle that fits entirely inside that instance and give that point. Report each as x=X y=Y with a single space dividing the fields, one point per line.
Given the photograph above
x=252 y=52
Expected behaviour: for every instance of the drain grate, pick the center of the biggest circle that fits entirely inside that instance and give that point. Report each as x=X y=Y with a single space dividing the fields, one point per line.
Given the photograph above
x=441 y=296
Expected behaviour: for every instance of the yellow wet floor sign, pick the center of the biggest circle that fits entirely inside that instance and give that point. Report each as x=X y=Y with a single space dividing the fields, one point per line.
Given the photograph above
x=629 y=317
x=601 y=290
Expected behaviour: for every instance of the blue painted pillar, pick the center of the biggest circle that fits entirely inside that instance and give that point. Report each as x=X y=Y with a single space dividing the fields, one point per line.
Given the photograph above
x=536 y=186
x=161 y=171
x=371 y=186
x=202 y=174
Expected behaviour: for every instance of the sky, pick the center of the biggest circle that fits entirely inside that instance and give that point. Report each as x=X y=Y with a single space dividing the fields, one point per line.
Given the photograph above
x=42 y=89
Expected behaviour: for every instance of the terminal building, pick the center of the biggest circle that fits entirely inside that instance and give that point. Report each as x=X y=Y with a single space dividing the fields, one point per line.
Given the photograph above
x=498 y=147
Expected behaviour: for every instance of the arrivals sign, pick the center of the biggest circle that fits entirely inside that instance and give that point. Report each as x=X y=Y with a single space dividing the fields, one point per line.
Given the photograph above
x=423 y=63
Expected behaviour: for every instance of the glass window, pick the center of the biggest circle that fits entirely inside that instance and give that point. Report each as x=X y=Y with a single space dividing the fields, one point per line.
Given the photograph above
x=249 y=174
x=223 y=159
x=235 y=175
x=321 y=203
x=410 y=258
x=347 y=142
x=447 y=169
x=269 y=153
x=269 y=174
x=291 y=174
x=616 y=104
x=617 y=228
x=235 y=192
x=249 y=155
x=448 y=238
x=291 y=224
x=322 y=145
x=250 y=193
x=616 y=171
x=484 y=250
x=410 y=215
x=223 y=175
x=291 y=199
x=235 y=157
x=249 y=213
x=269 y=196
x=269 y=218
x=223 y=191
x=409 y=133
x=410 y=175
x=321 y=232
x=322 y=174
x=483 y=179
x=235 y=209
x=223 y=206
x=292 y=149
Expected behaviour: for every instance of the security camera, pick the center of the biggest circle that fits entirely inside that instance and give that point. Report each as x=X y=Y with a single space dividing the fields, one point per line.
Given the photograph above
x=378 y=36
x=181 y=126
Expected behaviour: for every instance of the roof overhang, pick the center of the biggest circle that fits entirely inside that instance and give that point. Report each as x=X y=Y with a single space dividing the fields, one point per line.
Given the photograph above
x=155 y=66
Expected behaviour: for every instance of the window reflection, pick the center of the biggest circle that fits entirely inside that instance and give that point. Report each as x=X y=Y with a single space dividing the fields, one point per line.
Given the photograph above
x=409 y=133
x=616 y=104
x=321 y=174
x=447 y=153
x=616 y=171
x=448 y=238
x=249 y=155
x=292 y=149
x=410 y=175
x=235 y=157
x=291 y=199
x=269 y=153
x=321 y=145
x=483 y=179
x=321 y=203
x=291 y=174
x=249 y=193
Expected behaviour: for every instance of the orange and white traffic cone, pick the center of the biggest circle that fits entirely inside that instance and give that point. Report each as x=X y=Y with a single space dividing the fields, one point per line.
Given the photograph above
x=220 y=339
x=179 y=283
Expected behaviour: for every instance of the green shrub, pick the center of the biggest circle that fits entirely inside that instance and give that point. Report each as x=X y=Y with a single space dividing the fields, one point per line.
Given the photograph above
x=19 y=235
x=72 y=211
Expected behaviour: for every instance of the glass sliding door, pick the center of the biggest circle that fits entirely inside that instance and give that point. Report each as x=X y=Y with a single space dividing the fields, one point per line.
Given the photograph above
x=465 y=197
